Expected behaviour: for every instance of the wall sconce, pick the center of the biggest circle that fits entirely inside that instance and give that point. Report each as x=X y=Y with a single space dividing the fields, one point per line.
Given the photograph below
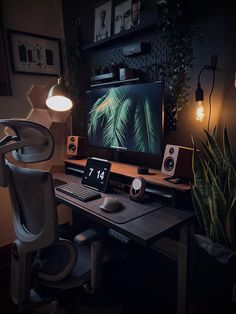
x=58 y=97
x=199 y=93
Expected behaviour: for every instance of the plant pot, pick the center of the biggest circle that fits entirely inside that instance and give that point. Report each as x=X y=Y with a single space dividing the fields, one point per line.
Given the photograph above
x=213 y=276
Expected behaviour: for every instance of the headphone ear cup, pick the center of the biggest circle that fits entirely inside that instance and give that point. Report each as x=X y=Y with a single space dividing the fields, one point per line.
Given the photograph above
x=137 y=188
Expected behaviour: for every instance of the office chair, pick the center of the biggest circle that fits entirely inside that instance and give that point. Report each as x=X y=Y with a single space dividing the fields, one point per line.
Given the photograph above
x=38 y=254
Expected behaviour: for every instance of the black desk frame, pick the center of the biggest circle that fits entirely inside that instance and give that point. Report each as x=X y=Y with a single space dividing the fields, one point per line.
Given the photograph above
x=150 y=230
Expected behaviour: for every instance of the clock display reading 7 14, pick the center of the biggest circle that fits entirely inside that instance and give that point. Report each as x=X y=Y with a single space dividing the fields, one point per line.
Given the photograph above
x=96 y=173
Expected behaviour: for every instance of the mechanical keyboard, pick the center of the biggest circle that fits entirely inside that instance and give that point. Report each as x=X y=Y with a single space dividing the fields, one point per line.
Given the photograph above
x=79 y=192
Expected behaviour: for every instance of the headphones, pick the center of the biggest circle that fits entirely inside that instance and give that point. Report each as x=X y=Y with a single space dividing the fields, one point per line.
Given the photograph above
x=137 y=188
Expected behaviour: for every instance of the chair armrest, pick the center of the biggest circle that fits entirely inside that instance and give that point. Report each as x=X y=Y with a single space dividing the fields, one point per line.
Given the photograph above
x=87 y=236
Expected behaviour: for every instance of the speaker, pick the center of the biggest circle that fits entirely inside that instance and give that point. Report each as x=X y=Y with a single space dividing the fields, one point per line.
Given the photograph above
x=137 y=188
x=75 y=146
x=177 y=161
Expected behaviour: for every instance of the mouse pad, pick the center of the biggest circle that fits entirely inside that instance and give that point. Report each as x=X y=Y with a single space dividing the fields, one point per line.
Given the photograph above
x=129 y=211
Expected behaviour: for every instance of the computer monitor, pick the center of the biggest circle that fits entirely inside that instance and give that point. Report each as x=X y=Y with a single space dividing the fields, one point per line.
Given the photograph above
x=127 y=117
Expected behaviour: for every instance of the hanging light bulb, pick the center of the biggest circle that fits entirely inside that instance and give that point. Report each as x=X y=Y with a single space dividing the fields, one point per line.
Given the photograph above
x=200 y=110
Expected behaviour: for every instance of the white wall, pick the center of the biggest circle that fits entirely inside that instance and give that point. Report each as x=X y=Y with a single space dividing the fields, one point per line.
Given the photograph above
x=42 y=17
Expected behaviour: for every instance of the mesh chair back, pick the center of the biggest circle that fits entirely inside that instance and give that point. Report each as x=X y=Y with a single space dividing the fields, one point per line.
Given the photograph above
x=34 y=206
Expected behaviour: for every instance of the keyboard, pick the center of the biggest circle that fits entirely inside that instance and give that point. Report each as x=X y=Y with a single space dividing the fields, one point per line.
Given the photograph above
x=79 y=192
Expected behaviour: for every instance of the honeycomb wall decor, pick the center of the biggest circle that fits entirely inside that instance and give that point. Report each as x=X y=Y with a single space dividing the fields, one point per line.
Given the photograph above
x=58 y=123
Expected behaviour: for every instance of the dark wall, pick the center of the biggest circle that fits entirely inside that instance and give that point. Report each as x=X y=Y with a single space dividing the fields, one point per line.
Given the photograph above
x=216 y=23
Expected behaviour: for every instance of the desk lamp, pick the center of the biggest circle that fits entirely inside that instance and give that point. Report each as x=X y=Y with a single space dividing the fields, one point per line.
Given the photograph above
x=58 y=97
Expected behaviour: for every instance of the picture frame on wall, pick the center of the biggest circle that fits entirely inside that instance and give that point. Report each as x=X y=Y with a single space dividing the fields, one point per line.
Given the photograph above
x=122 y=16
x=103 y=20
x=34 y=54
x=127 y=15
x=135 y=13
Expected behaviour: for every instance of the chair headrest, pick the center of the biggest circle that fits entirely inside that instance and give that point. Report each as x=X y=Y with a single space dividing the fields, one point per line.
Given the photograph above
x=32 y=142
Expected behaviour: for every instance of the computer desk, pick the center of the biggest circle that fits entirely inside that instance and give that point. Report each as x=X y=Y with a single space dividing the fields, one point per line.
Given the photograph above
x=150 y=230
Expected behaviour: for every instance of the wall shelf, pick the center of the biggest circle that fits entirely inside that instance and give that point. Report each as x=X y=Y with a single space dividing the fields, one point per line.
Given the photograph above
x=148 y=26
x=135 y=80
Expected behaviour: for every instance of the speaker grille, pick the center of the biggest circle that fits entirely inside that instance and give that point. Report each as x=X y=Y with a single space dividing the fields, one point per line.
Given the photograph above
x=169 y=163
x=72 y=148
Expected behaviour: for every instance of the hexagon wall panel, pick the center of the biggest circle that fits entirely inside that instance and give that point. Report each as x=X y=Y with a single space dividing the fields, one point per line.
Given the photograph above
x=41 y=116
x=37 y=96
x=58 y=123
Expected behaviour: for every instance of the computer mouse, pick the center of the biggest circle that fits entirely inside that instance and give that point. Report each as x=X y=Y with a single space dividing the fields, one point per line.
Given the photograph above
x=111 y=204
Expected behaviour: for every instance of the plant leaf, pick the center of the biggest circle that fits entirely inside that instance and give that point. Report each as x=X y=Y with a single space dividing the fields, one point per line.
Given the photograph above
x=216 y=152
x=213 y=132
x=218 y=199
x=228 y=157
x=217 y=232
x=200 y=173
x=232 y=182
x=202 y=211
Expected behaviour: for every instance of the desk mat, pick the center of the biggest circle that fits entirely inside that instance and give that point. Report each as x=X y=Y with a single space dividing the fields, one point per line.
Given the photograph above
x=130 y=210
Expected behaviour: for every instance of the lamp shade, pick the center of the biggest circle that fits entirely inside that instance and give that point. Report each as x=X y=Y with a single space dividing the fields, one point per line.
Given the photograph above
x=58 y=98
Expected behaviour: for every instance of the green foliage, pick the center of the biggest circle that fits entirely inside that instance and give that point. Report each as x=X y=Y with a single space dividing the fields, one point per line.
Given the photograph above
x=119 y=117
x=214 y=191
x=176 y=21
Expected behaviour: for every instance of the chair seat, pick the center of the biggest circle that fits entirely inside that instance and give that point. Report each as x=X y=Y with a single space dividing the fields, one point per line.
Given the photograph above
x=80 y=273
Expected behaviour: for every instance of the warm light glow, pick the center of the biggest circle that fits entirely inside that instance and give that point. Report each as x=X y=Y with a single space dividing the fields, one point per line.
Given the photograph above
x=200 y=111
x=59 y=103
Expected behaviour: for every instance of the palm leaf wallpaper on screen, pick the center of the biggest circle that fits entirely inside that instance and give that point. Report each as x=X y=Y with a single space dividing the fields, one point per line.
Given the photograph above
x=124 y=118
x=145 y=127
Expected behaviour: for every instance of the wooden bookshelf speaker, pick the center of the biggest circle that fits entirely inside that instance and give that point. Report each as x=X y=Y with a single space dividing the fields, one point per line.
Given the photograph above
x=177 y=162
x=75 y=146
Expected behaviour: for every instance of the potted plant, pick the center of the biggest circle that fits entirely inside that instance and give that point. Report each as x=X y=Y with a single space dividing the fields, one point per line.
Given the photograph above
x=214 y=200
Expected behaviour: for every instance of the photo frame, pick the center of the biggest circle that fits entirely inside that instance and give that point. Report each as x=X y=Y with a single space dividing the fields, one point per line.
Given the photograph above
x=103 y=20
x=126 y=15
x=34 y=54
x=122 y=16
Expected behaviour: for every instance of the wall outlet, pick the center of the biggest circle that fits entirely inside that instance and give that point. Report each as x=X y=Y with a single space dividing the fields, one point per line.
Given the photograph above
x=234 y=293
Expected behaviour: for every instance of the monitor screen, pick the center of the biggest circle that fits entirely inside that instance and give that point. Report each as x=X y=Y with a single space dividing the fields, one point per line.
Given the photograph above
x=127 y=117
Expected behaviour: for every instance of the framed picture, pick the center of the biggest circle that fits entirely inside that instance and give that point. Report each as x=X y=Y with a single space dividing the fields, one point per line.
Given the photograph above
x=122 y=18
x=102 y=20
x=35 y=54
x=135 y=13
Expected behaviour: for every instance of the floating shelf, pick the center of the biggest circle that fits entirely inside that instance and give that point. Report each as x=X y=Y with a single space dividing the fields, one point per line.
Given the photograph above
x=135 y=80
x=149 y=26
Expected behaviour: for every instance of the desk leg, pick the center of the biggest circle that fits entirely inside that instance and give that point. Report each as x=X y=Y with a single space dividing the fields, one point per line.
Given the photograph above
x=182 y=307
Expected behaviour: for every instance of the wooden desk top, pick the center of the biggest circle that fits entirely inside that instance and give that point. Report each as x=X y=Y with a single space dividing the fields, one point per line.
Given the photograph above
x=143 y=229
x=155 y=176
